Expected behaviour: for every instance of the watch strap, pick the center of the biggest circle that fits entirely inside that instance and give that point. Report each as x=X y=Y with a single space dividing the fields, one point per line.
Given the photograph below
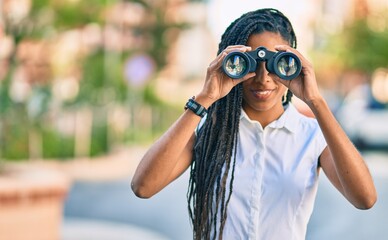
x=195 y=107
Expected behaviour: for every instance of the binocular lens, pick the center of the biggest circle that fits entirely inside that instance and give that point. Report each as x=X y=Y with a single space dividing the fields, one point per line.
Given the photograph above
x=287 y=66
x=235 y=66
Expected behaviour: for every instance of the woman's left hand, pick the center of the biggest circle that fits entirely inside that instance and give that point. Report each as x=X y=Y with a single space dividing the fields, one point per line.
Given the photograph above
x=305 y=85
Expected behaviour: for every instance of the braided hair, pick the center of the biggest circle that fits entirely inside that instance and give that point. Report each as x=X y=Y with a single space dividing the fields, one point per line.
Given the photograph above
x=214 y=155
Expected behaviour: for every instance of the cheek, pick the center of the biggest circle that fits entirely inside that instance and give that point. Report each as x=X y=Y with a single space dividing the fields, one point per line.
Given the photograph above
x=246 y=83
x=246 y=86
x=282 y=88
x=282 y=91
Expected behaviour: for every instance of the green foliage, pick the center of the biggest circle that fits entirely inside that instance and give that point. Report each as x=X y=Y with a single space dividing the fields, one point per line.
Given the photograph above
x=5 y=101
x=360 y=47
x=56 y=145
x=162 y=117
x=92 y=84
x=15 y=135
x=161 y=42
x=78 y=13
x=99 y=144
x=70 y=14
x=102 y=81
x=150 y=97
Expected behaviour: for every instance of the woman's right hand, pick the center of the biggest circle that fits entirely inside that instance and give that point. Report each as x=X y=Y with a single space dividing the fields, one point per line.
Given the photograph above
x=217 y=84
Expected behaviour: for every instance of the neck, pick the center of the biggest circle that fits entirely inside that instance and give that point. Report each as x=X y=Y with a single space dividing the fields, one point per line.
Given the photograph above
x=264 y=117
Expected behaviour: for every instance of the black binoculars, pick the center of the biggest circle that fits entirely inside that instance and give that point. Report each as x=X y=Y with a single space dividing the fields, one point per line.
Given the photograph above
x=285 y=65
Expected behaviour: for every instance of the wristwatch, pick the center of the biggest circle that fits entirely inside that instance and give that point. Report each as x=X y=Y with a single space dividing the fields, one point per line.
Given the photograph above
x=197 y=108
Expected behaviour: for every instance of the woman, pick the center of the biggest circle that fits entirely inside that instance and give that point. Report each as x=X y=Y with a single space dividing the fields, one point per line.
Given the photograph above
x=255 y=159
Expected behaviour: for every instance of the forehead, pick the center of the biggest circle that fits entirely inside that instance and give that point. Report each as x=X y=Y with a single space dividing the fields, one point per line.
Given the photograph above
x=266 y=39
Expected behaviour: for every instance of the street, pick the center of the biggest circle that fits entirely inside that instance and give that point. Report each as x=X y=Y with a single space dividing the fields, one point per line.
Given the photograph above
x=166 y=213
x=335 y=218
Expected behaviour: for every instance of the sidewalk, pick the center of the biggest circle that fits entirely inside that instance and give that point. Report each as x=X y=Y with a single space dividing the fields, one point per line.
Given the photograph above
x=118 y=165
x=103 y=207
x=336 y=219
x=82 y=229
x=110 y=168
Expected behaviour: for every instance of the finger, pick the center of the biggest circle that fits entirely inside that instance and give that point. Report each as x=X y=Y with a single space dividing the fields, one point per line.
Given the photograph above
x=220 y=58
x=246 y=77
x=217 y=62
x=236 y=48
x=242 y=48
x=307 y=67
x=282 y=47
x=225 y=52
x=287 y=48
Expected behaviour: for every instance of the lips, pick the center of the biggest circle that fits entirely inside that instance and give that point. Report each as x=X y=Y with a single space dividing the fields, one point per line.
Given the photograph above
x=262 y=94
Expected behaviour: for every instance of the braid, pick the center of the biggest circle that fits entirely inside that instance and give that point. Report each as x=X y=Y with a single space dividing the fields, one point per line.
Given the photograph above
x=214 y=155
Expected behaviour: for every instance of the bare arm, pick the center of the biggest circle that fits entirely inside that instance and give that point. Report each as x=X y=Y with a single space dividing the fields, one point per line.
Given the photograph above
x=340 y=160
x=167 y=158
x=171 y=155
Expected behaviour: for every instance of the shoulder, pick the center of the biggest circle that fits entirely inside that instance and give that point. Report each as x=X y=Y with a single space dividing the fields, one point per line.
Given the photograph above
x=307 y=127
x=298 y=122
x=308 y=123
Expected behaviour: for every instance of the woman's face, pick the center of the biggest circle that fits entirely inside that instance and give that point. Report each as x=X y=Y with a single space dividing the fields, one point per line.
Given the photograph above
x=262 y=93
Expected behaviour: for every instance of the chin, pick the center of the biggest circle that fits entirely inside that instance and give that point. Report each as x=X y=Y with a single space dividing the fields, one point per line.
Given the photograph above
x=260 y=107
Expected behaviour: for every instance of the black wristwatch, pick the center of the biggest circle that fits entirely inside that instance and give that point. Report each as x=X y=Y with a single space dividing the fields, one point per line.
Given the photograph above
x=197 y=108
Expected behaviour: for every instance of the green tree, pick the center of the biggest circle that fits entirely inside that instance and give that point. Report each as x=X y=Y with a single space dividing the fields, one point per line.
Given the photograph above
x=358 y=46
x=102 y=81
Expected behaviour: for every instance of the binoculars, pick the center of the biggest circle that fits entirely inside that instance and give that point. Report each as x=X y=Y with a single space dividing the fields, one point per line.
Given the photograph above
x=285 y=65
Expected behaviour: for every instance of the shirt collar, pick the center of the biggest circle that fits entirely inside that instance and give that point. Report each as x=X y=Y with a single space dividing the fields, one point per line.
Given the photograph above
x=289 y=119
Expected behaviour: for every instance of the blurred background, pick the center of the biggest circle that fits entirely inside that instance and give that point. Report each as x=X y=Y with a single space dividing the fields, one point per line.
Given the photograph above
x=87 y=86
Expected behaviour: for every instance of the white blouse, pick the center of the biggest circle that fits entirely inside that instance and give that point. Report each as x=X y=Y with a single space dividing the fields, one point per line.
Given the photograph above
x=275 y=178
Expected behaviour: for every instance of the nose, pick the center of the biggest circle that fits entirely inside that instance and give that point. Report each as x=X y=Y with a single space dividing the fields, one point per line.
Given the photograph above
x=261 y=73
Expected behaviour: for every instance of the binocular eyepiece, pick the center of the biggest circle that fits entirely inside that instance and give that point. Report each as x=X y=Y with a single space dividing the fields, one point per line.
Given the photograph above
x=285 y=65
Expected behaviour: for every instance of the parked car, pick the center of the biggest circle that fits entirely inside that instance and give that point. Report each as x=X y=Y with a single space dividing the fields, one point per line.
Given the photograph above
x=364 y=119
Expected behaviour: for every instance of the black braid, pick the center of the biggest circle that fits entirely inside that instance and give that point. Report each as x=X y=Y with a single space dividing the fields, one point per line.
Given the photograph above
x=214 y=154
